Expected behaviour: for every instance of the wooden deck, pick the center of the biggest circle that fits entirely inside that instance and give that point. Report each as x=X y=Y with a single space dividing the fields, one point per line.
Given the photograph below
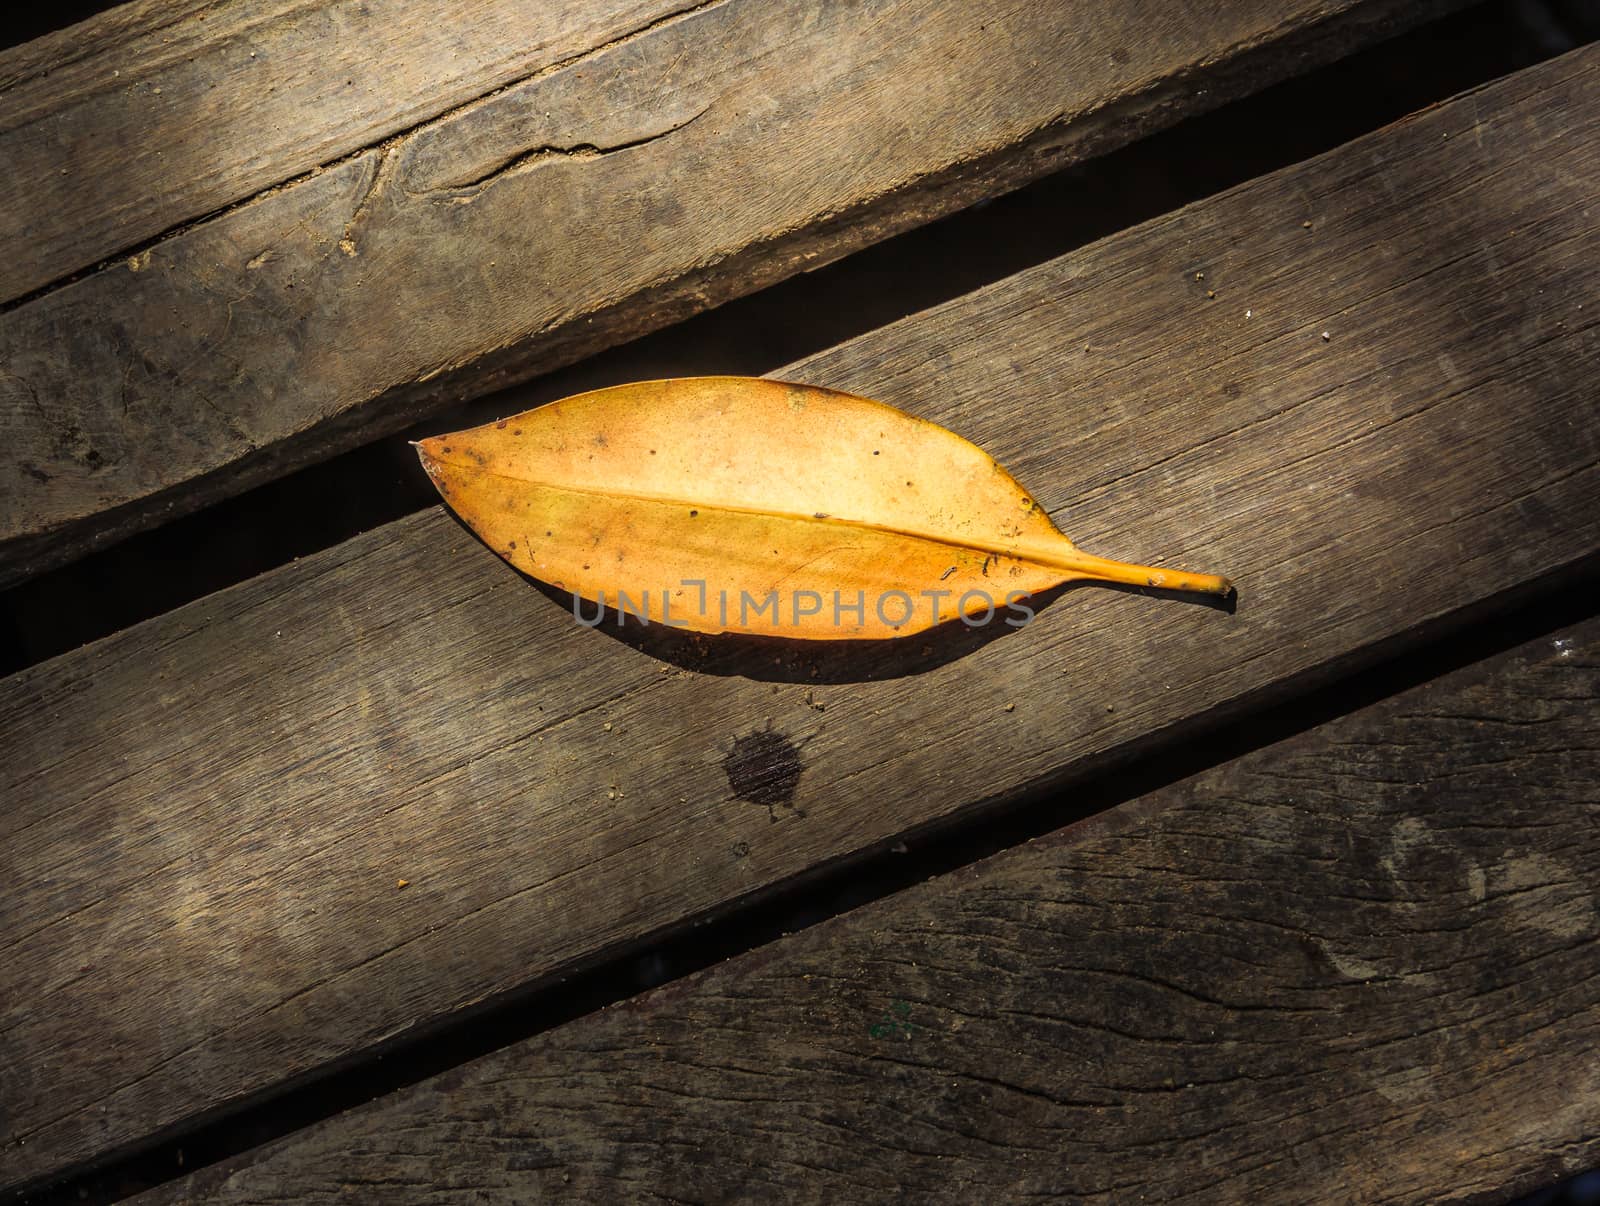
x=1363 y=956
x=1355 y=961
x=258 y=251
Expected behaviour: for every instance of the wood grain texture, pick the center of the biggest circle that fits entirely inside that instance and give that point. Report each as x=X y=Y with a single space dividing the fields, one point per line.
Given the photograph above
x=1357 y=966
x=459 y=203
x=135 y=124
x=215 y=806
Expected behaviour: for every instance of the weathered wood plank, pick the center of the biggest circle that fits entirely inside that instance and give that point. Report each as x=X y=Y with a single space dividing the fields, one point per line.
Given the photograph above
x=469 y=200
x=1359 y=965
x=136 y=123
x=215 y=806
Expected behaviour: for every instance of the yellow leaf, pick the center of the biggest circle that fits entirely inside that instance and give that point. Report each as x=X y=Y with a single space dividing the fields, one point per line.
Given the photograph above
x=739 y=504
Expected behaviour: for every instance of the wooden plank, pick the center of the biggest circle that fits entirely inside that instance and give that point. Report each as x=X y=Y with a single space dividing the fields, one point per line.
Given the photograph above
x=1355 y=966
x=216 y=806
x=138 y=122
x=460 y=202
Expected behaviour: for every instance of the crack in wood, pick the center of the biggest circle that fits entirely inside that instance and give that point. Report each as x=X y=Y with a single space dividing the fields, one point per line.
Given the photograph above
x=464 y=191
x=380 y=177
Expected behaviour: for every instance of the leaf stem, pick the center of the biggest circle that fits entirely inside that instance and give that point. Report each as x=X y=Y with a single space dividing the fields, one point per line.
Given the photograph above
x=1090 y=566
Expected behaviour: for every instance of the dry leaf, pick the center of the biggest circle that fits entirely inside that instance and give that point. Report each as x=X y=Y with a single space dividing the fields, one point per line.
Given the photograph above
x=738 y=504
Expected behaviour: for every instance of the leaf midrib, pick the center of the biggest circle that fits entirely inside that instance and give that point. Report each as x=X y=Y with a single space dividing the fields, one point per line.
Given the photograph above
x=975 y=546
